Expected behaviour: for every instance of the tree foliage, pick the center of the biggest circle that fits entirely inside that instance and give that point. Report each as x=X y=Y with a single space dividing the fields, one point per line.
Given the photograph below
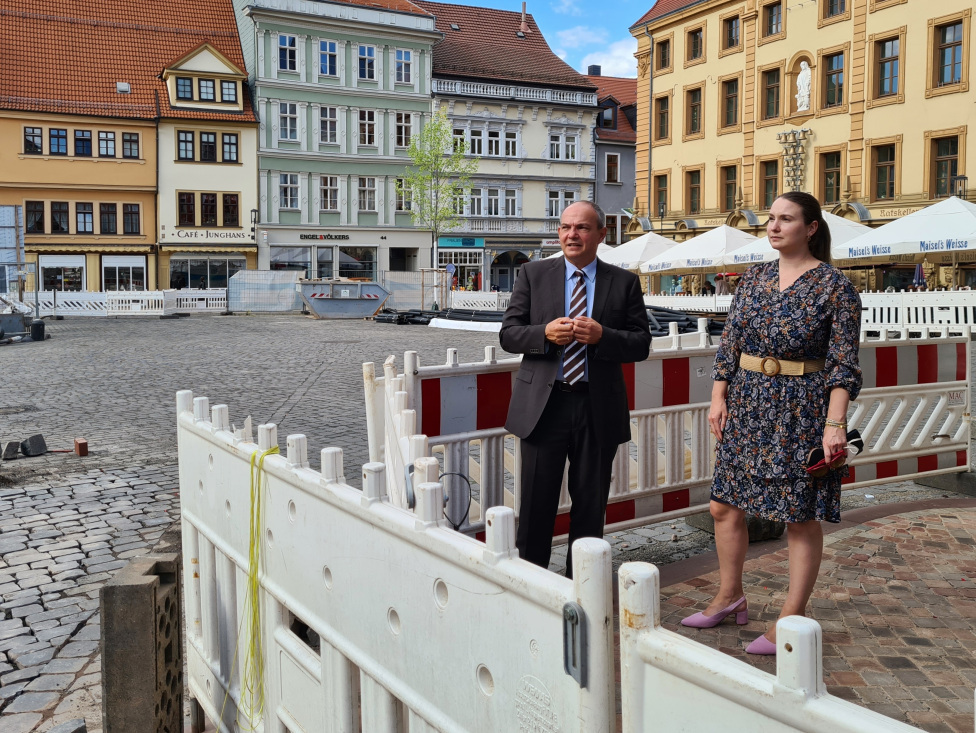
x=439 y=174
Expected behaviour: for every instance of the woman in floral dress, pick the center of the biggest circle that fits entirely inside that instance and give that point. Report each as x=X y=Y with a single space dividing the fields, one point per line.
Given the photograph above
x=805 y=314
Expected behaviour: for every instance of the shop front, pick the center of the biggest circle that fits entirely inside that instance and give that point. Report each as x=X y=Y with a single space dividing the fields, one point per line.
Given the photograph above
x=203 y=258
x=359 y=254
x=464 y=258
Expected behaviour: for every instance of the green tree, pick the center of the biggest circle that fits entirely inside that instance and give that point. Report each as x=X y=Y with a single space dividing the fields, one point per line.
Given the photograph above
x=435 y=183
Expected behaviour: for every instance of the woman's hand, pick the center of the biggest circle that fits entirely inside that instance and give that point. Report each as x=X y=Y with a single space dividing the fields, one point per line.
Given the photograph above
x=834 y=441
x=718 y=415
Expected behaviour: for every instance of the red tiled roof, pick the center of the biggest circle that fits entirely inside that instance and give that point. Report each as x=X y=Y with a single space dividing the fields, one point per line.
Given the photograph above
x=664 y=7
x=486 y=47
x=65 y=56
x=625 y=92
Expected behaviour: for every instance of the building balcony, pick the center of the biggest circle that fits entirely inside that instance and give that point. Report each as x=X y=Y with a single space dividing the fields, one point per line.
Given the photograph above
x=509 y=92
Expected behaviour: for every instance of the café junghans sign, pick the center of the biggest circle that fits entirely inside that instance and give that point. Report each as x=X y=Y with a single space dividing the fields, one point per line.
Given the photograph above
x=210 y=234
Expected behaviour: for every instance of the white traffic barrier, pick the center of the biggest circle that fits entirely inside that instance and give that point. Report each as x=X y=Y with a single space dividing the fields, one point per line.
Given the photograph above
x=953 y=308
x=392 y=597
x=128 y=303
x=913 y=414
x=671 y=683
x=213 y=300
x=477 y=300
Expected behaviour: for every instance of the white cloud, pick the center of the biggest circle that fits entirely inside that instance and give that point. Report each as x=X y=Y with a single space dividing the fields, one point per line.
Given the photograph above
x=581 y=35
x=617 y=60
x=565 y=7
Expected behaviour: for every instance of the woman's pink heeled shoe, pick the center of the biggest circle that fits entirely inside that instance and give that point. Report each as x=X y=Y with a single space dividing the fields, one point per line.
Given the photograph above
x=762 y=645
x=701 y=621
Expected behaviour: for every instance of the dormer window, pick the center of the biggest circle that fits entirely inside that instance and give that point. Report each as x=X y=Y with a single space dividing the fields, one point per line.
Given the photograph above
x=206 y=87
x=228 y=91
x=607 y=117
x=184 y=87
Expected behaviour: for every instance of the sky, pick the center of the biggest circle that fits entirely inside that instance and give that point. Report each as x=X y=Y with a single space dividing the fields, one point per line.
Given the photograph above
x=584 y=32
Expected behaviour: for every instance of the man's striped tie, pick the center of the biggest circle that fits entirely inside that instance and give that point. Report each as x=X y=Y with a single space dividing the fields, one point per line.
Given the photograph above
x=574 y=355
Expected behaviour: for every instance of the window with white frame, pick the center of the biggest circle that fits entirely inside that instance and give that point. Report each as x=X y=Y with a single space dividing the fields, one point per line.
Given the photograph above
x=510 y=202
x=403 y=198
x=458 y=204
x=474 y=202
x=287 y=121
x=367 y=193
x=287 y=53
x=476 y=142
x=458 y=137
x=511 y=144
x=329 y=188
x=559 y=200
x=613 y=168
x=288 y=191
x=328 y=59
x=555 y=147
x=563 y=145
x=494 y=142
x=367 y=62
x=403 y=129
x=493 y=202
x=367 y=127
x=404 y=66
x=329 y=125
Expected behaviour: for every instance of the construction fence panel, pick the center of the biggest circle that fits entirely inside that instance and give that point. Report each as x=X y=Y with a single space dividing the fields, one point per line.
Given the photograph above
x=913 y=414
x=366 y=613
x=672 y=683
x=213 y=300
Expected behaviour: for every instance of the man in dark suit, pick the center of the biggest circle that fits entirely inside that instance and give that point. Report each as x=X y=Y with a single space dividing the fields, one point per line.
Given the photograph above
x=575 y=320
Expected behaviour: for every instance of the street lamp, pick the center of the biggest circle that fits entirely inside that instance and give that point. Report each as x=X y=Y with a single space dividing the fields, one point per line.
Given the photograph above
x=960 y=185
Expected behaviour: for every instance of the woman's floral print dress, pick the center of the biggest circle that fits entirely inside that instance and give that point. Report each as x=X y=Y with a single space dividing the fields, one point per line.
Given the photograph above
x=774 y=422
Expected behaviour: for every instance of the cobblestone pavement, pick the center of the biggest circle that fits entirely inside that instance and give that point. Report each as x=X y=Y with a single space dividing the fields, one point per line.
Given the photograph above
x=66 y=523
x=896 y=598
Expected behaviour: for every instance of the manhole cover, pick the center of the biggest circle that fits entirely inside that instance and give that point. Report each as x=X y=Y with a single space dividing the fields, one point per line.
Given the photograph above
x=16 y=409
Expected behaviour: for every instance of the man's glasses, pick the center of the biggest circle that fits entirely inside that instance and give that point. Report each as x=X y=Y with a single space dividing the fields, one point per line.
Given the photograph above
x=818 y=467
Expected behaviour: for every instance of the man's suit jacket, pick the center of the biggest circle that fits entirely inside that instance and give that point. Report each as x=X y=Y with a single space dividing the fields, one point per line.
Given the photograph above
x=538 y=298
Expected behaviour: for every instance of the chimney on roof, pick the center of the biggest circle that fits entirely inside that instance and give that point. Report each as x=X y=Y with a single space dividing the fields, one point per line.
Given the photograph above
x=525 y=26
x=593 y=70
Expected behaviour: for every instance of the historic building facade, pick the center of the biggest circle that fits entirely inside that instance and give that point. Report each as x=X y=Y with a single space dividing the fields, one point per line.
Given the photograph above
x=865 y=103
x=615 y=135
x=207 y=171
x=79 y=150
x=529 y=118
x=340 y=90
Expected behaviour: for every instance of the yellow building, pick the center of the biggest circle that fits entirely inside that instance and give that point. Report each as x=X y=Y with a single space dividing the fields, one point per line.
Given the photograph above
x=88 y=188
x=864 y=103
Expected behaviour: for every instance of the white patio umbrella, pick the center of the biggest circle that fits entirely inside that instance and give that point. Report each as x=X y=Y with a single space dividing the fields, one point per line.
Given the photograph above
x=699 y=253
x=945 y=233
x=841 y=230
x=631 y=254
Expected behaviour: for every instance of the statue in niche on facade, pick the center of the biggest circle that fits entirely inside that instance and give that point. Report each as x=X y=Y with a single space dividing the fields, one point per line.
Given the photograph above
x=803 y=84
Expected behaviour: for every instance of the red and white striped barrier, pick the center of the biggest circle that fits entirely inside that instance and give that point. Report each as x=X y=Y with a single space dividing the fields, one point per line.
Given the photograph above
x=913 y=413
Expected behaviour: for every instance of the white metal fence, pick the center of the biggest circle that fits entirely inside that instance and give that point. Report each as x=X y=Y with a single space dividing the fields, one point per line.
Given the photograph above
x=913 y=414
x=316 y=606
x=127 y=303
x=477 y=300
x=955 y=308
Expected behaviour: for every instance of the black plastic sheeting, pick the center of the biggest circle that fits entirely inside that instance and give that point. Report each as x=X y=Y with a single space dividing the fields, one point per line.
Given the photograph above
x=659 y=319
